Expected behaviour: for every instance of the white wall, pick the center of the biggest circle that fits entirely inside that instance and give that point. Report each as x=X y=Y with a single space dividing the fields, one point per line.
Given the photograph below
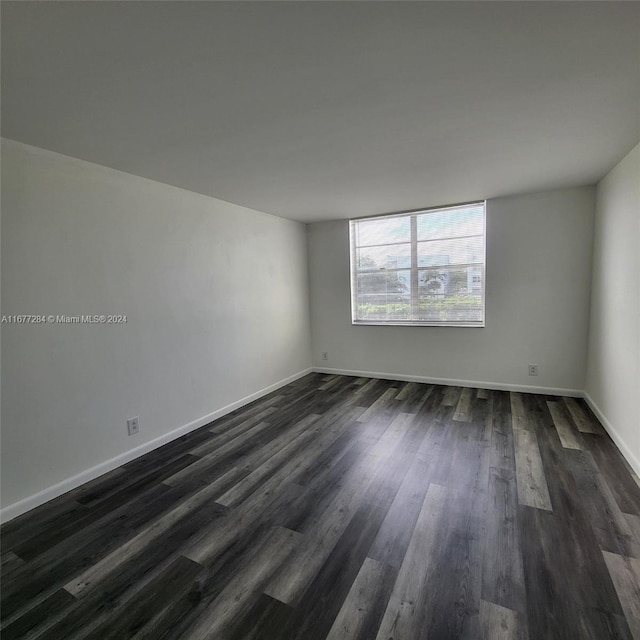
x=537 y=305
x=613 y=370
x=216 y=298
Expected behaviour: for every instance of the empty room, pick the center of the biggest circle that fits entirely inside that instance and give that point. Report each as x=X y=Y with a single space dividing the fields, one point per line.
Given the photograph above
x=320 y=320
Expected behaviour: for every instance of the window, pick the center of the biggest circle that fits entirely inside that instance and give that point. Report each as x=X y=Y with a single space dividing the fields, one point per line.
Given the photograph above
x=420 y=268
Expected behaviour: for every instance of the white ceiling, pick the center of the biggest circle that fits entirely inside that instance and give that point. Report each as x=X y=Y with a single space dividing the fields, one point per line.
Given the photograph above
x=323 y=110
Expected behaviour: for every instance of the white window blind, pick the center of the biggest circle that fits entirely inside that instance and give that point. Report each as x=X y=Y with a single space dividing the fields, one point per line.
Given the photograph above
x=420 y=268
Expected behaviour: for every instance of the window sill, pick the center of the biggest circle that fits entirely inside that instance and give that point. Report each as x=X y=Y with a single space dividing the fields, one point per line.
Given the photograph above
x=410 y=323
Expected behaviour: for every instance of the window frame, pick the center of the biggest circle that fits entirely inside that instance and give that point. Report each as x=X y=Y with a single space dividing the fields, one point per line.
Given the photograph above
x=415 y=268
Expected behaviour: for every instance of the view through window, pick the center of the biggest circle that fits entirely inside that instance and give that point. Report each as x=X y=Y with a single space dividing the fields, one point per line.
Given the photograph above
x=420 y=268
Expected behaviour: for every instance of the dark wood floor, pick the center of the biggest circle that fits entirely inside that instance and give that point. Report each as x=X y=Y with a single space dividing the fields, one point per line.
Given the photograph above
x=345 y=508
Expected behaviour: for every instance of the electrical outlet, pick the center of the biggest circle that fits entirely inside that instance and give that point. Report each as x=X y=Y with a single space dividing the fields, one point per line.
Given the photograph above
x=325 y=355
x=132 y=426
x=533 y=369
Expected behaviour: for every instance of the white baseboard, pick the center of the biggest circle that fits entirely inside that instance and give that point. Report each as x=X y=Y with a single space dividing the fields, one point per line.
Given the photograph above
x=22 y=506
x=633 y=461
x=476 y=384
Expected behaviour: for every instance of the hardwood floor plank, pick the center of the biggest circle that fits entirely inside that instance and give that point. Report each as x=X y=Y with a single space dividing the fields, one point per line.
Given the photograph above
x=217 y=439
x=52 y=535
x=101 y=569
x=404 y=615
x=322 y=599
x=371 y=392
x=177 y=618
x=318 y=495
x=320 y=602
x=316 y=402
x=581 y=417
x=25 y=627
x=518 y=412
x=39 y=578
x=625 y=573
x=469 y=464
x=453 y=607
x=329 y=470
x=375 y=408
x=34 y=522
x=277 y=453
x=406 y=391
x=501 y=432
x=573 y=550
x=438 y=441
x=335 y=381
x=482 y=415
x=132 y=617
x=451 y=396
x=252 y=413
x=126 y=581
x=594 y=624
x=545 y=602
x=417 y=399
x=463 y=408
x=228 y=606
x=499 y=623
x=164 y=455
x=564 y=579
x=102 y=486
x=214 y=541
x=394 y=535
x=208 y=460
x=530 y=477
x=266 y=619
x=609 y=524
x=569 y=438
x=633 y=522
x=360 y=614
x=323 y=532
x=615 y=470
x=9 y=562
x=502 y=574
x=329 y=456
